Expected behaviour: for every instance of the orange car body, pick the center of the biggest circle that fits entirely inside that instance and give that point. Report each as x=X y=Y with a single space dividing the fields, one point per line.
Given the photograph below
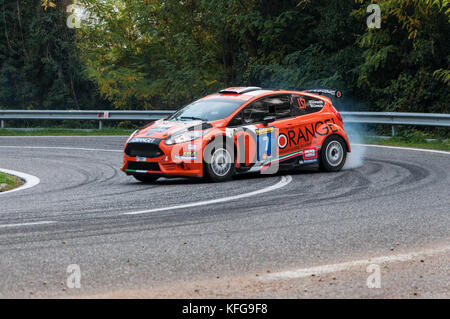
x=296 y=135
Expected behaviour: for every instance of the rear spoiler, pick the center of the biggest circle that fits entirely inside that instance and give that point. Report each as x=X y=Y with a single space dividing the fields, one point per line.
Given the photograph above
x=335 y=93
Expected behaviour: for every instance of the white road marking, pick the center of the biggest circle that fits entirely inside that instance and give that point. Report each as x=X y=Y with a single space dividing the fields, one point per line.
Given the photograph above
x=27 y=224
x=285 y=180
x=404 y=148
x=30 y=180
x=63 y=148
x=331 y=268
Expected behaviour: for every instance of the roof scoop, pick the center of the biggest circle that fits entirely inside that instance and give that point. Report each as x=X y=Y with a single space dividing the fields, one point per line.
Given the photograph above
x=239 y=90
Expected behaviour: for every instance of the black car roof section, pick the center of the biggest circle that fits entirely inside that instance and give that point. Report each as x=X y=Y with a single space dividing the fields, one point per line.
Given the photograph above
x=236 y=90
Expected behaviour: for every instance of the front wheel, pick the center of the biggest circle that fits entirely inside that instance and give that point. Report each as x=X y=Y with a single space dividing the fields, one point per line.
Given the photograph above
x=333 y=154
x=219 y=162
x=147 y=178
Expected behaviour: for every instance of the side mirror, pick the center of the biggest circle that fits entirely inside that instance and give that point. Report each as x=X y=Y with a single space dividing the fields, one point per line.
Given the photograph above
x=268 y=119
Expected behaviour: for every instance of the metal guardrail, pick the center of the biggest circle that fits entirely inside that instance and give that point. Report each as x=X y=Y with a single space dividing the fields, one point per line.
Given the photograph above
x=388 y=118
x=394 y=118
x=100 y=116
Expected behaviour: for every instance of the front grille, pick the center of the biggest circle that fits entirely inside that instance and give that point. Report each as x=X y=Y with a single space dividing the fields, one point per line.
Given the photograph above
x=143 y=150
x=144 y=166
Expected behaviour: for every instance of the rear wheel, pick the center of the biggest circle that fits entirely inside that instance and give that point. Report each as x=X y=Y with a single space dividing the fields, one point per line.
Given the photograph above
x=333 y=154
x=219 y=162
x=147 y=178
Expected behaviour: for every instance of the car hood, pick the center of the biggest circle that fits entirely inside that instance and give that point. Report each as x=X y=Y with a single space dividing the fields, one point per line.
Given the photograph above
x=162 y=128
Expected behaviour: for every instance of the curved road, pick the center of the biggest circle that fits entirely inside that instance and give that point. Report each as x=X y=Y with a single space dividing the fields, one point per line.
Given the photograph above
x=397 y=201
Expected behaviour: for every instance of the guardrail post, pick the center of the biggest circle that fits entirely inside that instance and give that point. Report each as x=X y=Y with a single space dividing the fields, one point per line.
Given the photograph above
x=2 y=125
x=100 y=125
x=393 y=130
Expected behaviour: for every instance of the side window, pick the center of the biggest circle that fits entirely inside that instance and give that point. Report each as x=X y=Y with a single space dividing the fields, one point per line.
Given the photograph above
x=276 y=105
x=302 y=105
x=280 y=105
x=255 y=112
x=236 y=121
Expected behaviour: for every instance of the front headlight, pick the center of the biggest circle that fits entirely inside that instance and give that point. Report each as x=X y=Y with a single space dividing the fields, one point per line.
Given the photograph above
x=184 y=137
x=131 y=136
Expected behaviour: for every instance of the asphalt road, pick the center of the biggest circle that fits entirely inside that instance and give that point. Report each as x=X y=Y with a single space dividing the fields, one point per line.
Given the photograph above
x=396 y=201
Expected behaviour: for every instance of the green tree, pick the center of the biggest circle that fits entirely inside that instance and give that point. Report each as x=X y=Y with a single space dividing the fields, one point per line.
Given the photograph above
x=406 y=62
x=39 y=63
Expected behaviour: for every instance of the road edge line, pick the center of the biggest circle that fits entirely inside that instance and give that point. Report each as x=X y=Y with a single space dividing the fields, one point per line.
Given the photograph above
x=285 y=180
x=332 y=268
x=30 y=180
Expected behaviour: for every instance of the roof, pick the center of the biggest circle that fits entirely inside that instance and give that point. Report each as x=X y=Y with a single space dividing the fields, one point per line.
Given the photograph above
x=250 y=92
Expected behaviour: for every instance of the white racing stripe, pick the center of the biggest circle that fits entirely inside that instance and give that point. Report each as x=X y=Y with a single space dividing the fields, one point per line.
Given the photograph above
x=285 y=180
x=30 y=180
x=27 y=224
x=331 y=268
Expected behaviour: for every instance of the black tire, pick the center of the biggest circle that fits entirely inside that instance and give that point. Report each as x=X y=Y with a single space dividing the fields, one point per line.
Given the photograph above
x=219 y=160
x=333 y=154
x=147 y=178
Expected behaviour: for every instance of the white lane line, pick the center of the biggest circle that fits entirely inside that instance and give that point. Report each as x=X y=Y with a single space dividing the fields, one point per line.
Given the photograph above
x=285 y=180
x=30 y=180
x=403 y=148
x=27 y=224
x=63 y=148
x=331 y=268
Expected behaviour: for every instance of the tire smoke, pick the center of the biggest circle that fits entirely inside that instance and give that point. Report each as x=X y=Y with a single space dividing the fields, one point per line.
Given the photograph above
x=355 y=134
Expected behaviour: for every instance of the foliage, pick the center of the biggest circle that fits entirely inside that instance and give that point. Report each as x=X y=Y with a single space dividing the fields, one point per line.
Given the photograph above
x=39 y=63
x=406 y=62
x=144 y=54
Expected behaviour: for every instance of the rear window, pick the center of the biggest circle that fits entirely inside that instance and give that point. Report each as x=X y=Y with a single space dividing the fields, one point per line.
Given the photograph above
x=302 y=105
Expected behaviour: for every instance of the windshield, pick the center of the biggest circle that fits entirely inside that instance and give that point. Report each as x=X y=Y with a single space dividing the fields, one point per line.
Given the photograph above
x=207 y=110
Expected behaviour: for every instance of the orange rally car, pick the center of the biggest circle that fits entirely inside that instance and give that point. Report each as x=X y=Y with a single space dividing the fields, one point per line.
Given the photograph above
x=240 y=130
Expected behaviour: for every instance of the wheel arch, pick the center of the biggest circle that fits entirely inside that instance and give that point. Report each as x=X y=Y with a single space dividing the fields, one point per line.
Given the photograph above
x=325 y=130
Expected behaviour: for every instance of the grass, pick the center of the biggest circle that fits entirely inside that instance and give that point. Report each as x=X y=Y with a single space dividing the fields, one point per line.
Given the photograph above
x=416 y=139
x=10 y=181
x=65 y=132
x=434 y=145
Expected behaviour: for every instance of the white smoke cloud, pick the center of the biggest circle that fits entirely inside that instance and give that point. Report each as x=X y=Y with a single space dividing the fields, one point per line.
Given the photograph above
x=355 y=134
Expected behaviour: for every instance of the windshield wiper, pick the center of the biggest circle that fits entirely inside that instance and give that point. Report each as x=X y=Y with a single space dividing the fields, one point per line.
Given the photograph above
x=191 y=118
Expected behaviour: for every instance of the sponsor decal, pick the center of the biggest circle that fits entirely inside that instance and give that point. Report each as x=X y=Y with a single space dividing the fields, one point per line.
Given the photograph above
x=266 y=144
x=308 y=161
x=310 y=131
x=316 y=103
x=264 y=130
x=282 y=141
x=301 y=103
x=188 y=155
x=310 y=153
x=148 y=140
